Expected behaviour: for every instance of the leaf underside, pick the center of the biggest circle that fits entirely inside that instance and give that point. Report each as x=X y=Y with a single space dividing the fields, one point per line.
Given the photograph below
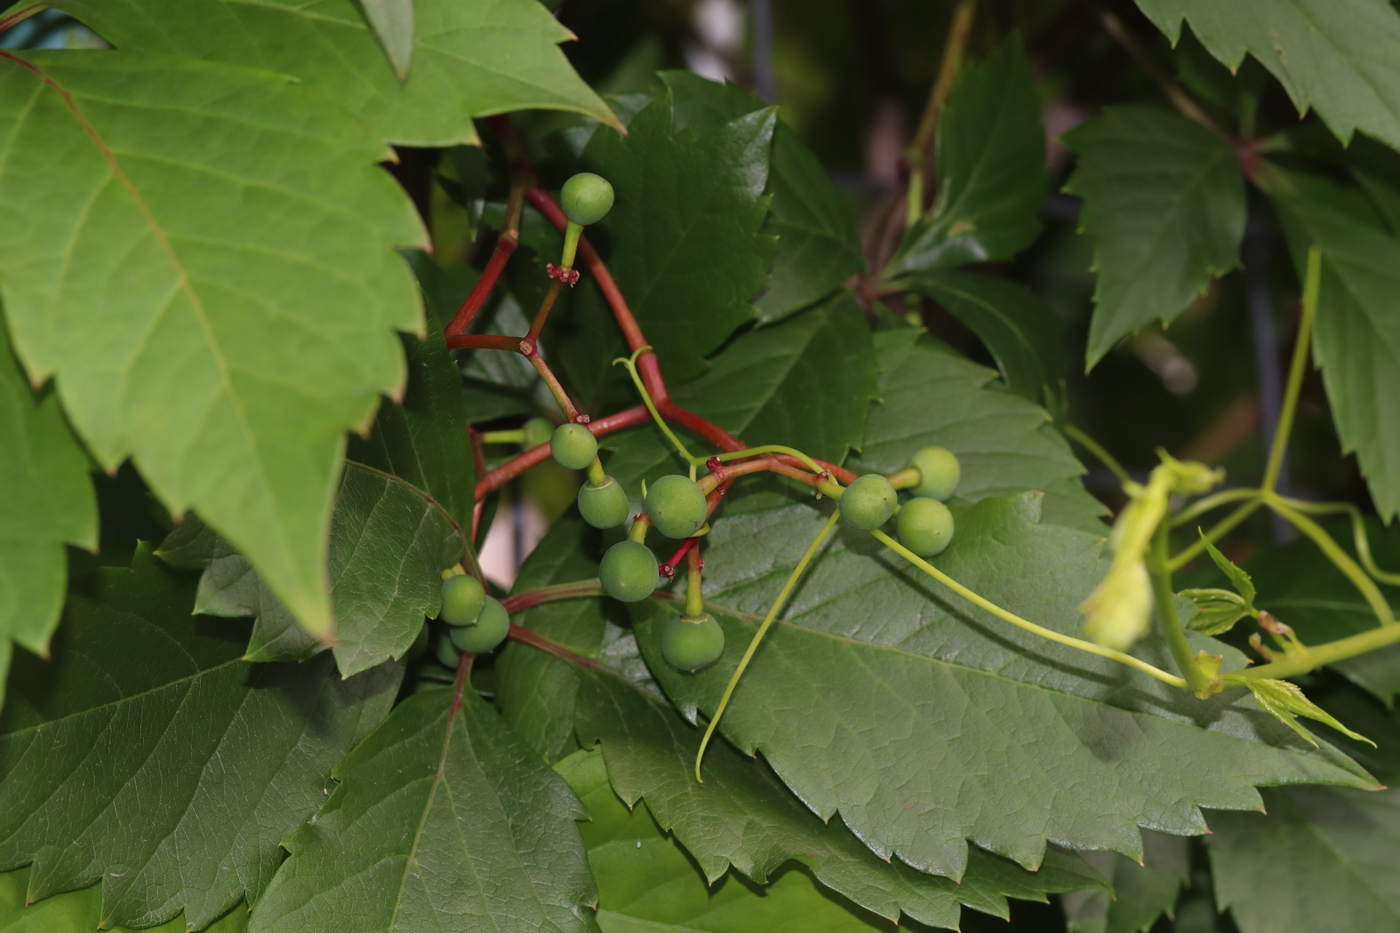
x=471 y=58
x=155 y=190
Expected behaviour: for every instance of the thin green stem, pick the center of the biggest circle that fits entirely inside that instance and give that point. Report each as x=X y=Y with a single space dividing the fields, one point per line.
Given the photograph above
x=1218 y=531
x=1360 y=539
x=1343 y=561
x=1008 y=616
x=1316 y=656
x=694 y=593
x=1312 y=284
x=807 y=461
x=1165 y=599
x=510 y=436
x=572 y=232
x=631 y=364
x=1202 y=506
x=1097 y=449
x=758 y=636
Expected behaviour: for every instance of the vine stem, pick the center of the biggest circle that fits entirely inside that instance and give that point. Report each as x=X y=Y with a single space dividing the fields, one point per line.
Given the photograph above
x=519 y=602
x=491 y=481
x=758 y=636
x=1316 y=656
x=535 y=640
x=1219 y=530
x=1098 y=450
x=1343 y=561
x=19 y=16
x=1008 y=616
x=1312 y=286
x=1167 y=618
x=954 y=48
x=521 y=176
x=1360 y=539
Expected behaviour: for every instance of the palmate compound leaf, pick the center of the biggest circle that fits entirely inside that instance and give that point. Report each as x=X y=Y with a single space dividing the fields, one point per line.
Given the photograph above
x=1164 y=203
x=386 y=546
x=471 y=58
x=442 y=819
x=740 y=816
x=1140 y=893
x=990 y=164
x=923 y=722
x=147 y=754
x=1335 y=56
x=47 y=502
x=1356 y=340
x=206 y=266
x=81 y=912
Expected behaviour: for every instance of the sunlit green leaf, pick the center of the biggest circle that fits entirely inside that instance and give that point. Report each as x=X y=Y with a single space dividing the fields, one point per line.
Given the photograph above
x=247 y=305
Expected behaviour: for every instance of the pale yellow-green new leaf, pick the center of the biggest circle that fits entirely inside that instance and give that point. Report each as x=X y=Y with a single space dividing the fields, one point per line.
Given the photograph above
x=203 y=258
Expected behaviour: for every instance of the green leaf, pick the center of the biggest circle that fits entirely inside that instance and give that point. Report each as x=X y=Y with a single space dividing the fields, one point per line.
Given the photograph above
x=391 y=21
x=818 y=244
x=990 y=159
x=247 y=307
x=423 y=438
x=472 y=58
x=81 y=912
x=1141 y=893
x=1357 y=336
x=1323 y=859
x=149 y=755
x=914 y=716
x=385 y=555
x=1217 y=610
x=1285 y=700
x=647 y=884
x=1020 y=330
x=685 y=246
x=47 y=502
x=744 y=817
x=441 y=813
x=1306 y=591
x=1237 y=577
x=1164 y=203
x=1334 y=56
x=930 y=395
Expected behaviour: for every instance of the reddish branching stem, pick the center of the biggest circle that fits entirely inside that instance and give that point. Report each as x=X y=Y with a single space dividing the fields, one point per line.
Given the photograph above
x=668 y=569
x=489 y=482
x=519 y=602
x=536 y=640
x=509 y=240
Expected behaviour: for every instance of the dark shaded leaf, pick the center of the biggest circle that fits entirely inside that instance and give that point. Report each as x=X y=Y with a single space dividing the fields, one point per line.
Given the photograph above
x=990 y=165
x=1020 y=330
x=385 y=556
x=1164 y=203
x=441 y=813
x=149 y=755
x=1140 y=894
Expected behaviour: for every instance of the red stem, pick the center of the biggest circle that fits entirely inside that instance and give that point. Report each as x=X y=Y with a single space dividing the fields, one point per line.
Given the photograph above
x=484 y=342
x=535 y=640
x=668 y=569
x=463 y=318
x=489 y=482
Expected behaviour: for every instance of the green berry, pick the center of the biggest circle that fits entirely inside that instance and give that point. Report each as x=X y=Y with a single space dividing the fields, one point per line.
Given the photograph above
x=447 y=653
x=676 y=506
x=692 y=643
x=488 y=632
x=868 y=502
x=535 y=432
x=925 y=526
x=604 y=505
x=939 y=472
x=462 y=599
x=586 y=198
x=573 y=446
x=628 y=571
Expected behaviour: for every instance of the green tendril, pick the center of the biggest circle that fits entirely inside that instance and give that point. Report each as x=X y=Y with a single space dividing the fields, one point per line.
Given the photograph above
x=631 y=364
x=758 y=636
